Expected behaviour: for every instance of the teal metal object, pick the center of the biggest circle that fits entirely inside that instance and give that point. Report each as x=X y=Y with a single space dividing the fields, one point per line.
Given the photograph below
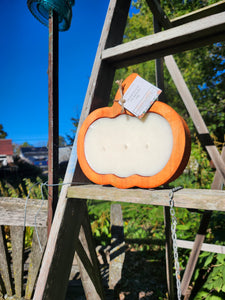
x=42 y=8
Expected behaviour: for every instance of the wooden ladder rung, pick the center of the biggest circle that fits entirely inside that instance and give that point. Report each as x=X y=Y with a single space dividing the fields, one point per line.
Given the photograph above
x=185 y=198
x=200 y=33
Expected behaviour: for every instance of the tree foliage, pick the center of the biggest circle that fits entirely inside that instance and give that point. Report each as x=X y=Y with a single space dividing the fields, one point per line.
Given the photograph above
x=3 y=134
x=70 y=138
x=62 y=141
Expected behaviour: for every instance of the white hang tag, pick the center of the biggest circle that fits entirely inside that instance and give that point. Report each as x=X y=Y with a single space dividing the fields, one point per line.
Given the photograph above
x=140 y=96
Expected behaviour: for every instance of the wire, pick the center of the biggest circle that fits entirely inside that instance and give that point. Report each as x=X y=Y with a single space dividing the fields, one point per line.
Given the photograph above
x=38 y=211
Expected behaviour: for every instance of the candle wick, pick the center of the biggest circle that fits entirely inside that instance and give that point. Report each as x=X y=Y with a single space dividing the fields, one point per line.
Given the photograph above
x=121 y=100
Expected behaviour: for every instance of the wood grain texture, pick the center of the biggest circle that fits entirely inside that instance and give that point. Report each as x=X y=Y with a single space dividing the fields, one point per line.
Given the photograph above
x=85 y=252
x=204 y=247
x=35 y=259
x=17 y=240
x=5 y=264
x=160 y=17
x=186 y=198
x=2 y=287
x=12 y=211
x=185 y=37
x=218 y=182
x=89 y=274
x=117 y=251
x=55 y=285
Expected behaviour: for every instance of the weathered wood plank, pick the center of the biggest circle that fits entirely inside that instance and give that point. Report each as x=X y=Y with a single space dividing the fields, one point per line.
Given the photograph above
x=53 y=278
x=5 y=264
x=17 y=239
x=12 y=211
x=181 y=243
x=199 y=13
x=159 y=14
x=218 y=180
x=205 y=247
x=117 y=251
x=35 y=259
x=90 y=275
x=185 y=37
x=186 y=198
x=197 y=119
x=2 y=287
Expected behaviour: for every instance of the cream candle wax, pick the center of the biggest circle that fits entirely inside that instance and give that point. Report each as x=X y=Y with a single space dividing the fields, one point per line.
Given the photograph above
x=126 y=145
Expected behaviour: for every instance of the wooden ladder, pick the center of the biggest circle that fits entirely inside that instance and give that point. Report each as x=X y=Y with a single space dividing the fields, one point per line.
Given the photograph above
x=71 y=231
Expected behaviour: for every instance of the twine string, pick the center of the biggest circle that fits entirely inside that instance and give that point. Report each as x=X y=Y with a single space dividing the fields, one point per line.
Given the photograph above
x=121 y=100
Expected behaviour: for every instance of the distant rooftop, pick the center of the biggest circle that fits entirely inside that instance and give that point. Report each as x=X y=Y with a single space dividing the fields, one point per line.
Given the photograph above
x=32 y=150
x=37 y=156
x=6 y=147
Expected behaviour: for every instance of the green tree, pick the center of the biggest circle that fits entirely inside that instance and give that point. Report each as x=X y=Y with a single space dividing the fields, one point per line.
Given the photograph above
x=17 y=147
x=26 y=144
x=62 y=141
x=3 y=134
x=75 y=122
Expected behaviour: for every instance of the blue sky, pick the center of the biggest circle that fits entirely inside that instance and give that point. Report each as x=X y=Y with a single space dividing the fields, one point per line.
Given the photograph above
x=24 y=64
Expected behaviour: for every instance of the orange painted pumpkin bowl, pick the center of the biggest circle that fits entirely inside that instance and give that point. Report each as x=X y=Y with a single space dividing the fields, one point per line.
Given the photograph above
x=118 y=149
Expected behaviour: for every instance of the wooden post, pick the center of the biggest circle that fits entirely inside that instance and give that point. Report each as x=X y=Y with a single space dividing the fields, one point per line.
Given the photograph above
x=35 y=259
x=53 y=131
x=117 y=251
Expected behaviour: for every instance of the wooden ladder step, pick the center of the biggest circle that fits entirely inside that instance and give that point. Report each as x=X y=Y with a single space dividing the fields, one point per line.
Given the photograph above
x=196 y=34
x=185 y=198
